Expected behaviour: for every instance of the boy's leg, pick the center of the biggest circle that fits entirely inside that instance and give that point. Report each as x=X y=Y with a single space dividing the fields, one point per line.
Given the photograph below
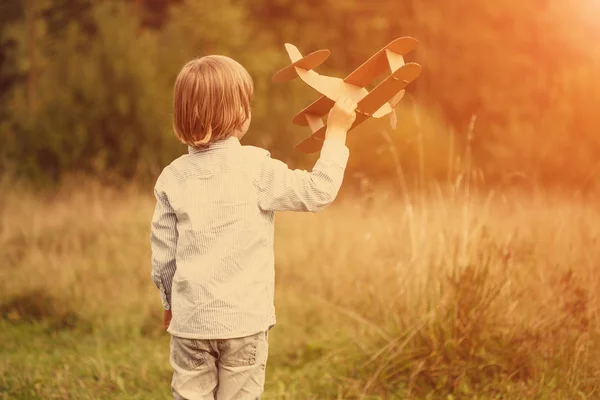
x=242 y=367
x=194 y=369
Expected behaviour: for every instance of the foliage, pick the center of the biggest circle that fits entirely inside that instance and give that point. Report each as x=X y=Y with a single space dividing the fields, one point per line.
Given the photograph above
x=86 y=86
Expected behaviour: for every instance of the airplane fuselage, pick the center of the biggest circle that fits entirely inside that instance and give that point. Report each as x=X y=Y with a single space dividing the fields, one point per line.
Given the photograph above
x=333 y=88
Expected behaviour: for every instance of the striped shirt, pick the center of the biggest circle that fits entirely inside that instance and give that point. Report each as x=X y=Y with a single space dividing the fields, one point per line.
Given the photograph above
x=212 y=233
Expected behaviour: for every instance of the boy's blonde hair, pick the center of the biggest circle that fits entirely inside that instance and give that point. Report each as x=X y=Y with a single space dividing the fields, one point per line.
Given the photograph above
x=211 y=100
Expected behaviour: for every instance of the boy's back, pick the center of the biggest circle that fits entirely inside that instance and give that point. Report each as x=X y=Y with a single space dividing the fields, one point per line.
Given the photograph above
x=222 y=200
x=212 y=230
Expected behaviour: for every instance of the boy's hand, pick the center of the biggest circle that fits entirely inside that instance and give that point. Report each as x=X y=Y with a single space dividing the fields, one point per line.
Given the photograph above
x=340 y=119
x=166 y=318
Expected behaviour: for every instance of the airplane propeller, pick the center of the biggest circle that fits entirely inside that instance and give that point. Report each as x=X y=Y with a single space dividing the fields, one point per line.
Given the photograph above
x=394 y=102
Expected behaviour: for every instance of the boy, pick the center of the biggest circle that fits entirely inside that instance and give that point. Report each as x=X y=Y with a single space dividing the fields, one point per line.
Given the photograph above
x=212 y=230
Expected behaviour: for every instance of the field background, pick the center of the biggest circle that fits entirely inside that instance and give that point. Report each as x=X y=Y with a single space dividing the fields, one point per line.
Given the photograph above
x=460 y=260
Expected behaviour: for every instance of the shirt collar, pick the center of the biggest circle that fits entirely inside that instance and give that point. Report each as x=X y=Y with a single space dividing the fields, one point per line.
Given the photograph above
x=231 y=141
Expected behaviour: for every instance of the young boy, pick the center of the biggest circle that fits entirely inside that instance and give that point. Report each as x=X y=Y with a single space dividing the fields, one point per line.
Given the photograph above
x=212 y=230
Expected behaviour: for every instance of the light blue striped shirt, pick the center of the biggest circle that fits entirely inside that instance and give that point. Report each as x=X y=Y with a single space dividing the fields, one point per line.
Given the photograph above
x=212 y=233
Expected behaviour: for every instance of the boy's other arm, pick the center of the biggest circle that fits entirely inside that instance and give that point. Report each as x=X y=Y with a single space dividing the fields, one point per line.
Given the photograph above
x=282 y=189
x=163 y=242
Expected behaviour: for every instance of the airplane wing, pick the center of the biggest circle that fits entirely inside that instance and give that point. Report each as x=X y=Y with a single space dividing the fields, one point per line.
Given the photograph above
x=330 y=88
x=309 y=145
x=308 y=62
x=378 y=63
x=318 y=108
x=388 y=88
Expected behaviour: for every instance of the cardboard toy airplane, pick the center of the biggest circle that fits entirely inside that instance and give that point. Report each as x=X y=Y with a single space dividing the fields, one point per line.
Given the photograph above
x=376 y=103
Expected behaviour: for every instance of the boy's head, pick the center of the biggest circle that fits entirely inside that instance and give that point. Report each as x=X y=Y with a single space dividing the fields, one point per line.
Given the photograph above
x=211 y=100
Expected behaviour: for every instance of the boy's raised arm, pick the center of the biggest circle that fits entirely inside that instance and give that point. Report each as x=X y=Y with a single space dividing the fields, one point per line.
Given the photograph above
x=163 y=243
x=282 y=189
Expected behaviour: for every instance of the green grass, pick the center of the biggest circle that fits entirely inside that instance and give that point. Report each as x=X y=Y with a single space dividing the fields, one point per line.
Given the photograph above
x=123 y=360
x=438 y=295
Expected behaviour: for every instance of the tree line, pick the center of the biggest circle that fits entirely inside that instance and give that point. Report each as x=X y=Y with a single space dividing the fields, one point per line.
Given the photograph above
x=512 y=88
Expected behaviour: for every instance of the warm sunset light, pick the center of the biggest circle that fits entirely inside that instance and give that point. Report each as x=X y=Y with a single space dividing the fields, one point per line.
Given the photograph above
x=591 y=6
x=290 y=200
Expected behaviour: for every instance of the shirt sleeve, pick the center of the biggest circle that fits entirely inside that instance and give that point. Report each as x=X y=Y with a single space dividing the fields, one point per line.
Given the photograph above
x=163 y=242
x=283 y=189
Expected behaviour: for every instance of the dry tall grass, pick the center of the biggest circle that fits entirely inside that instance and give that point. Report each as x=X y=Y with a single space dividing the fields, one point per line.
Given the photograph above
x=439 y=291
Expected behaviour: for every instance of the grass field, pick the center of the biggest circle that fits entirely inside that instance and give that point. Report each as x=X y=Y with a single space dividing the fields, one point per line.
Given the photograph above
x=441 y=294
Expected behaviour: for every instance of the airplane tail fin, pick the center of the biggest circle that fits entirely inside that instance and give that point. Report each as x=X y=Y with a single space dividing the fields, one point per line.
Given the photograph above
x=293 y=52
x=311 y=61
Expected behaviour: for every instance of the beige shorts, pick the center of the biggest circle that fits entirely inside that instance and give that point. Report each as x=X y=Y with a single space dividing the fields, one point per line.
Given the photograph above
x=225 y=369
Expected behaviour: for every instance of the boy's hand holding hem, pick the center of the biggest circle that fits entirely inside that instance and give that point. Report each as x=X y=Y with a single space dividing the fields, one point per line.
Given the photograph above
x=167 y=319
